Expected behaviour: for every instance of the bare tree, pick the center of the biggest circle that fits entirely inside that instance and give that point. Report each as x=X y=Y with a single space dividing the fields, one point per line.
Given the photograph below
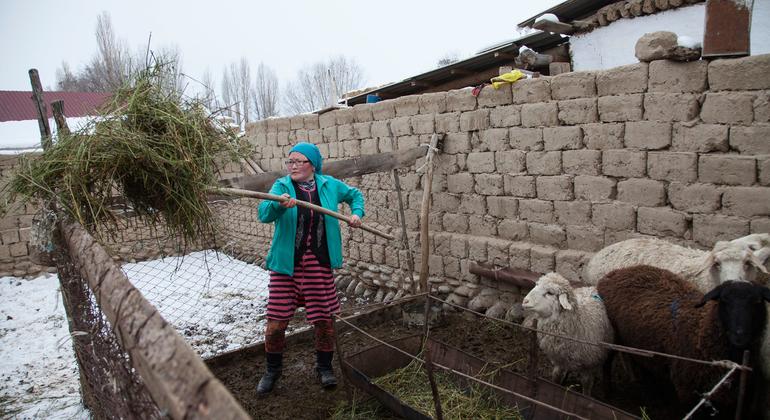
x=236 y=84
x=113 y=65
x=264 y=93
x=447 y=59
x=322 y=84
x=228 y=94
x=209 y=96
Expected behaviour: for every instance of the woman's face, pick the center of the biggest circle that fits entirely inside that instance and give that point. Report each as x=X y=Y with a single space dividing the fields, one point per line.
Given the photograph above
x=301 y=170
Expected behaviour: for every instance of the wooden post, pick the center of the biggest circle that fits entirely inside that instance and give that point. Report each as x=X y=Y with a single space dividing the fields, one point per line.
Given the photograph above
x=57 y=107
x=42 y=111
x=424 y=212
x=404 y=236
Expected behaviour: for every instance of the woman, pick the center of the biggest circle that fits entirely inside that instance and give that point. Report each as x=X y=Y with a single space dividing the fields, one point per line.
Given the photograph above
x=306 y=247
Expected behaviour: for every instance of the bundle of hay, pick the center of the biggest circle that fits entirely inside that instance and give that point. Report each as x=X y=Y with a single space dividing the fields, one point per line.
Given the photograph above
x=150 y=146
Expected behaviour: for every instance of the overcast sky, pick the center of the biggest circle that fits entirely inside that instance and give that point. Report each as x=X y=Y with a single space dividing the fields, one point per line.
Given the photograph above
x=391 y=40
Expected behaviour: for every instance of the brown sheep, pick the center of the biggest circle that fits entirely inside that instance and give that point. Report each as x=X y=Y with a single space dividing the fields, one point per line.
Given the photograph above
x=653 y=309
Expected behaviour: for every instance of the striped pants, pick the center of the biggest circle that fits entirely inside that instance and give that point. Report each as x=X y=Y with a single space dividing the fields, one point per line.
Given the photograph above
x=311 y=286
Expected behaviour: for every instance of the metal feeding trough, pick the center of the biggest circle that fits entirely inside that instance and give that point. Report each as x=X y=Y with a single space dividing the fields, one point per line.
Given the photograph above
x=361 y=368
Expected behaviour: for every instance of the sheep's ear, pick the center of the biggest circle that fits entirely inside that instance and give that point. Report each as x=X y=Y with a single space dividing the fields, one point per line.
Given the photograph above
x=758 y=262
x=565 y=302
x=714 y=294
x=763 y=255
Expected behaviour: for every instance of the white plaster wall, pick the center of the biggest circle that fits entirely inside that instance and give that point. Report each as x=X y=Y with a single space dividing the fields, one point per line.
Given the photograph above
x=613 y=45
x=760 y=27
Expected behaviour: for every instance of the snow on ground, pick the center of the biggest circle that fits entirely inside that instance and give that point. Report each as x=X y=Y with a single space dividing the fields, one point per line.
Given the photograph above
x=24 y=136
x=213 y=300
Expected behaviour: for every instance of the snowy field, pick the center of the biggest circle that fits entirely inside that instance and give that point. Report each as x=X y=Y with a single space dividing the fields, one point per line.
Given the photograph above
x=216 y=302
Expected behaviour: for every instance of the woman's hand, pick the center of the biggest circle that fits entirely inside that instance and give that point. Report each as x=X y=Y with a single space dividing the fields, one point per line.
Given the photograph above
x=288 y=203
x=355 y=221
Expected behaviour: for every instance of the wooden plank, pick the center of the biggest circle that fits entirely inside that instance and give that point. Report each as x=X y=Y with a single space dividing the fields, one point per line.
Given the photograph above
x=341 y=169
x=42 y=111
x=727 y=28
x=555 y=27
x=176 y=377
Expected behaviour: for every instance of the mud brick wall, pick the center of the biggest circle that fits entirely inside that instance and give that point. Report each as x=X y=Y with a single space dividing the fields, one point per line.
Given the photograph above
x=541 y=174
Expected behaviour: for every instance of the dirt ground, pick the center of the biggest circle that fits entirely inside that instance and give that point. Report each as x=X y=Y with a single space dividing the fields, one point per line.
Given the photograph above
x=298 y=395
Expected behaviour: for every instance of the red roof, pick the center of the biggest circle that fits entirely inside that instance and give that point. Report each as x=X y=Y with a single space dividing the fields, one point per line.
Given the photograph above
x=18 y=106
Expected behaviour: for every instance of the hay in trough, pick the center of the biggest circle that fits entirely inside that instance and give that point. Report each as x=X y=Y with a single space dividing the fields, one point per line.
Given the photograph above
x=150 y=146
x=410 y=385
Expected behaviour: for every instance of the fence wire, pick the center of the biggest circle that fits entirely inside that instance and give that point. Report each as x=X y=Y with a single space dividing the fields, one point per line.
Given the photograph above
x=215 y=294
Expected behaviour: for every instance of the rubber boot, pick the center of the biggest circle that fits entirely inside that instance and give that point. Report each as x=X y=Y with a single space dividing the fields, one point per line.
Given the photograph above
x=324 y=368
x=274 y=368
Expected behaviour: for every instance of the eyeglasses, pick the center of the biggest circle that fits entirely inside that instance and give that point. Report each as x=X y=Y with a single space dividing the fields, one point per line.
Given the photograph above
x=289 y=163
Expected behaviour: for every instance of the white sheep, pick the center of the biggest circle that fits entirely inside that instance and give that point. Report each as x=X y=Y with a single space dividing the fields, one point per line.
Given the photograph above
x=705 y=269
x=578 y=313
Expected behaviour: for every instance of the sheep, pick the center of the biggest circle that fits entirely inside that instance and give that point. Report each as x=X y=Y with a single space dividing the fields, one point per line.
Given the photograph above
x=654 y=309
x=706 y=269
x=578 y=313
x=758 y=243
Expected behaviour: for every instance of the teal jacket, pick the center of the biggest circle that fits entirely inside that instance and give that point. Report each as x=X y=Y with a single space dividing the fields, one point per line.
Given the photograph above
x=331 y=192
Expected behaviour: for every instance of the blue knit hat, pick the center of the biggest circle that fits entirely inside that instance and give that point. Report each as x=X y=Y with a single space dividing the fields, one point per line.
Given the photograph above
x=311 y=152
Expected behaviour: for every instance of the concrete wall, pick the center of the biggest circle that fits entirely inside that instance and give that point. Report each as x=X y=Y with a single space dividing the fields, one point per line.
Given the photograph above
x=541 y=175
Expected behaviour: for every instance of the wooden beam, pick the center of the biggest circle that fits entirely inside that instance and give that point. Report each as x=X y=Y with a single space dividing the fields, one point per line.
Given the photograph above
x=366 y=164
x=555 y=27
x=420 y=84
x=514 y=276
x=460 y=72
x=505 y=55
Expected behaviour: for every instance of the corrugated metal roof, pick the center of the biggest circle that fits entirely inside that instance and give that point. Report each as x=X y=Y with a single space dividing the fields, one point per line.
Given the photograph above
x=18 y=106
x=571 y=10
x=497 y=55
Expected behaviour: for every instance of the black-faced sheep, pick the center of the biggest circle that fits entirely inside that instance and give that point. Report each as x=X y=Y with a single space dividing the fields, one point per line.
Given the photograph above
x=654 y=309
x=727 y=261
x=578 y=313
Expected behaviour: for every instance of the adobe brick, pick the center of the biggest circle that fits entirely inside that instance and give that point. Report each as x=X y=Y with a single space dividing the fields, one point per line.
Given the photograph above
x=594 y=188
x=578 y=111
x=707 y=229
x=407 y=105
x=527 y=91
x=424 y=124
x=325 y=120
x=460 y=100
x=519 y=186
x=460 y=183
x=570 y=262
x=474 y=120
x=672 y=166
x=616 y=215
x=661 y=221
x=660 y=106
x=624 y=163
x=747 y=73
x=369 y=146
x=363 y=113
x=401 y=126
x=490 y=97
x=542 y=259
x=554 y=187
x=494 y=139
x=384 y=110
x=489 y=184
x=572 y=212
x=456 y=143
x=432 y=103
x=762 y=106
x=648 y=135
x=472 y=204
x=700 y=138
x=519 y=255
x=603 y=136
x=505 y=116
x=541 y=114
x=513 y=230
x=510 y=161
x=581 y=162
x=482 y=225
x=761 y=225
x=553 y=235
x=562 y=138
x=540 y=211
x=763 y=162
x=675 y=76
x=727 y=169
x=453 y=222
x=345 y=132
x=588 y=238
x=578 y=84
x=448 y=123
x=18 y=249
x=746 y=201
x=753 y=140
x=526 y=138
x=642 y=192
x=503 y=207
x=622 y=80
x=621 y=108
x=728 y=108
x=481 y=162
x=446 y=202
x=544 y=163
x=362 y=130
